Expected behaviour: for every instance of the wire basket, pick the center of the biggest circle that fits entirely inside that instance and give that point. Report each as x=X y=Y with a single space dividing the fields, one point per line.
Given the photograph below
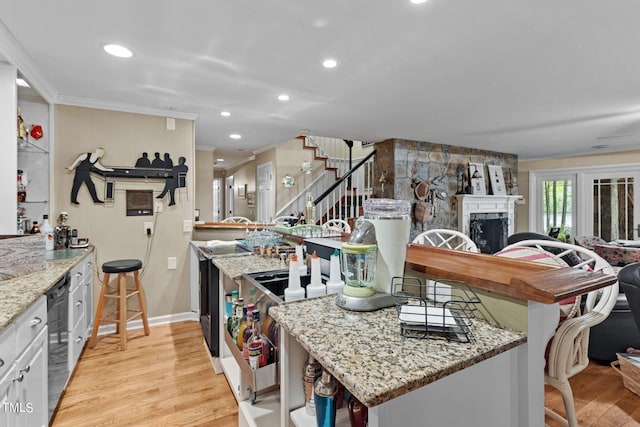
x=437 y=309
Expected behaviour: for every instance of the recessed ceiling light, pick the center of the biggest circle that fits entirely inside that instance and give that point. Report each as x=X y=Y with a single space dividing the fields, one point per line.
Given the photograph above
x=330 y=63
x=225 y=114
x=283 y=97
x=418 y=1
x=117 y=50
x=22 y=82
x=219 y=160
x=235 y=136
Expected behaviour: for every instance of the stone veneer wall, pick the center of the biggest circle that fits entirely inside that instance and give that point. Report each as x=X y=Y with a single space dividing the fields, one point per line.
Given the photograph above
x=404 y=162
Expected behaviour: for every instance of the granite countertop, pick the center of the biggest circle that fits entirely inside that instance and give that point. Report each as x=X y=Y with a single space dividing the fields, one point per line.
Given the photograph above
x=19 y=293
x=236 y=266
x=367 y=354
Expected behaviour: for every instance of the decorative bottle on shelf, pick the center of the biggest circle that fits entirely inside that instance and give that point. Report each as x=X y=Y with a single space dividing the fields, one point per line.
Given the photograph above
x=22 y=130
x=241 y=327
x=325 y=390
x=312 y=371
x=22 y=189
x=257 y=346
x=35 y=229
x=47 y=230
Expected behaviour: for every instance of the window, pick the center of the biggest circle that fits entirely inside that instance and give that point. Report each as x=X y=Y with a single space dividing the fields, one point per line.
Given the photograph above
x=613 y=208
x=557 y=202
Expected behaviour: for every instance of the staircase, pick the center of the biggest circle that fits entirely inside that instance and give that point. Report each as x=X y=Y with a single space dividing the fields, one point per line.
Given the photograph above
x=342 y=189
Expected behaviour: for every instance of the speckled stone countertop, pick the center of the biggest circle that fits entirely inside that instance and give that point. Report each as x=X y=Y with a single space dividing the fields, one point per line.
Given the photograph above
x=19 y=293
x=236 y=266
x=367 y=354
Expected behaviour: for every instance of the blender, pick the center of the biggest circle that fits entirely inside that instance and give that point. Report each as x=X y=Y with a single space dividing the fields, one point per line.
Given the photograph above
x=374 y=254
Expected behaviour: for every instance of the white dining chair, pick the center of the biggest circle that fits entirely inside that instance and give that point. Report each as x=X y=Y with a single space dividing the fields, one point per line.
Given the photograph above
x=338 y=225
x=236 y=220
x=568 y=348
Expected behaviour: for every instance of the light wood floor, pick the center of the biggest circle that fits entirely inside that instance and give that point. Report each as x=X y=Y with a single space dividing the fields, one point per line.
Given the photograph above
x=600 y=398
x=166 y=379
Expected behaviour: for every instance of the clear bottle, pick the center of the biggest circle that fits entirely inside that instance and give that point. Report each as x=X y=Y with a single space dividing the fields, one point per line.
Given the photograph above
x=47 y=230
x=22 y=189
x=236 y=318
x=240 y=339
x=258 y=349
x=246 y=333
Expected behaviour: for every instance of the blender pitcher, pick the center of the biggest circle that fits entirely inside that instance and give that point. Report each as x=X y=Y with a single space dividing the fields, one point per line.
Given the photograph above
x=359 y=267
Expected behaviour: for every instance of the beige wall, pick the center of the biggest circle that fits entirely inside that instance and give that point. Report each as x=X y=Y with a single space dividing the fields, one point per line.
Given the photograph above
x=124 y=136
x=204 y=184
x=524 y=167
x=290 y=156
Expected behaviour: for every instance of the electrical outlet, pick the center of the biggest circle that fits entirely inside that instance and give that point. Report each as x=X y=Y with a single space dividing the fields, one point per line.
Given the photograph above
x=172 y=263
x=157 y=206
x=148 y=225
x=187 y=226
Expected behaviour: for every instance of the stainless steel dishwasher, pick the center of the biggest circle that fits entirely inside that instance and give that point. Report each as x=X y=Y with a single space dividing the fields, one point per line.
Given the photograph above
x=57 y=358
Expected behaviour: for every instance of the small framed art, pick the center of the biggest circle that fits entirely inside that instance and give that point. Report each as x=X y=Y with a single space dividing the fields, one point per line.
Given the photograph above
x=497 y=180
x=476 y=178
x=242 y=191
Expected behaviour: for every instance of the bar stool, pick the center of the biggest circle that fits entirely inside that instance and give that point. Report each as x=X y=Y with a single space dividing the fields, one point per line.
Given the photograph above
x=122 y=293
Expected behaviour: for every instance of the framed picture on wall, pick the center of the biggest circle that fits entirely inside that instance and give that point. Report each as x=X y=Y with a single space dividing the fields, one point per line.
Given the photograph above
x=251 y=199
x=497 y=180
x=476 y=178
x=242 y=191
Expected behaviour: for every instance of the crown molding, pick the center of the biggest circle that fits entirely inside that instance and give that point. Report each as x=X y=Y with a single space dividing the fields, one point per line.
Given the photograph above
x=127 y=108
x=16 y=55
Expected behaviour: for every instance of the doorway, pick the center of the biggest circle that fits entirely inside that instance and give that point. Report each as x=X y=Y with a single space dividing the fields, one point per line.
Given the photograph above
x=265 y=209
x=229 y=197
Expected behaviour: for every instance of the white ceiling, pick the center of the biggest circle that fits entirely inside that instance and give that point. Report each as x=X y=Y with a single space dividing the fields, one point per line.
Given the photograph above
x=543 y=78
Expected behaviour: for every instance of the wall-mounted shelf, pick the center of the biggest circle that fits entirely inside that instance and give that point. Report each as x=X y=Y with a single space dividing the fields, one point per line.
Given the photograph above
x=133 y=172
x=26 y=146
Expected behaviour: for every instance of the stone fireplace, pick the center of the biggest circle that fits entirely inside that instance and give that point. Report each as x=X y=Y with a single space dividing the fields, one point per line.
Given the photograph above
x=488 y=220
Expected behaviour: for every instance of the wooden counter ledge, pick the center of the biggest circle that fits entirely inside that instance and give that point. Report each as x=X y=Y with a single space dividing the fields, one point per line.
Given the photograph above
x=520 y=279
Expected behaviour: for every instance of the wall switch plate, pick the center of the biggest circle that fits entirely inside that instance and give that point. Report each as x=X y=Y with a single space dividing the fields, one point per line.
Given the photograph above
x=157 y=206
x=172 y=263
x=187 y=226
x=148 y=225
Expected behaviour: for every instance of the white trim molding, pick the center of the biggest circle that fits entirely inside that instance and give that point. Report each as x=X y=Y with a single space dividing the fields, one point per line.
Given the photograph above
x=153 y=321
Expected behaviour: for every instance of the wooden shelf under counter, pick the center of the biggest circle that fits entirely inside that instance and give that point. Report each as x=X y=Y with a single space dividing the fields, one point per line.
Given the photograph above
x=525 y=280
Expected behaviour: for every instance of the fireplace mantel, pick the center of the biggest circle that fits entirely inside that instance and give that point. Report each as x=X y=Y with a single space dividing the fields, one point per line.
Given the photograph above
x=473 y=204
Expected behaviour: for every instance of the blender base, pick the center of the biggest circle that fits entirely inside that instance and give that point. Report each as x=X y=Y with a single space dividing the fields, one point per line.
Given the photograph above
x=372 y=303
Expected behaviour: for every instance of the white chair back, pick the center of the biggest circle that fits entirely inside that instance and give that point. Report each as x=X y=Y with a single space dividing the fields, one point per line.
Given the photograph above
x=337 y=224
x=450 y=239
x=236 y=219
x=568 y=349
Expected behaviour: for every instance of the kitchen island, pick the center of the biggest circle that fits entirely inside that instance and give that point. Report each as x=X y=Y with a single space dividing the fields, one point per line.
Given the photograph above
x=403 y=381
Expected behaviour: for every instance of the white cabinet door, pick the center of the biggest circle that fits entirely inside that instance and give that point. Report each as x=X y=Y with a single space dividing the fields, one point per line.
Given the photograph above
x=8 y=397
x=88 y=297
x=32 y=390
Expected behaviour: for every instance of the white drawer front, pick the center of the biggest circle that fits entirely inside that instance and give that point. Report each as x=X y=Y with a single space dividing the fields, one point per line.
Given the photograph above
x=76 y=274
x=77 y=339
x=88 y=266
x=31 y=322
x=76 y=306
x=8 y=348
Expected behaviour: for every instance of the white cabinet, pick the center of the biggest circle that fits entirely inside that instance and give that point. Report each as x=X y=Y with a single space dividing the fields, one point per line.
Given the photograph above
x=80 y=307
x=23 y=382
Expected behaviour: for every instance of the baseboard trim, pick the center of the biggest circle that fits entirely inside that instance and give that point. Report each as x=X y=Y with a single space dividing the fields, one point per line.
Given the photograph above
x=153 y=321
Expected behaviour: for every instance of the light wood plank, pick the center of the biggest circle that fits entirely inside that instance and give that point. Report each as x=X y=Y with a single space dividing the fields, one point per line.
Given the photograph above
x=164 y=379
